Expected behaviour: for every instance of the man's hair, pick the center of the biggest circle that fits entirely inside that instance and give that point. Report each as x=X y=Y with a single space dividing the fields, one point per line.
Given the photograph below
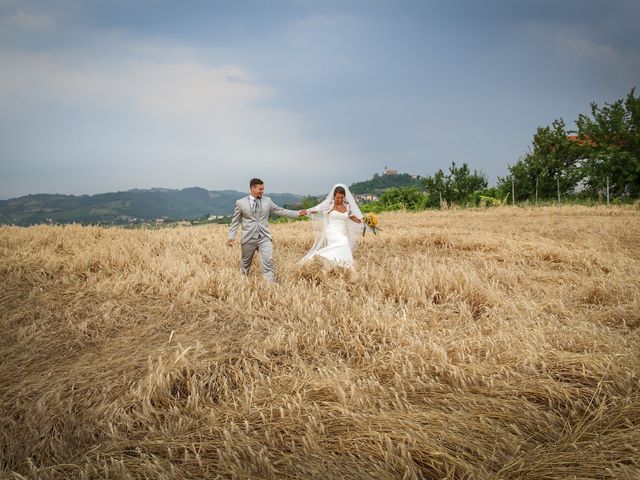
x=255 y=181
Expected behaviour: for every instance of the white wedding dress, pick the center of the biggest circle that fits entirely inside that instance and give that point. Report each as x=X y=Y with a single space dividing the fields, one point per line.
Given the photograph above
x=338 y=249
x=336 y=234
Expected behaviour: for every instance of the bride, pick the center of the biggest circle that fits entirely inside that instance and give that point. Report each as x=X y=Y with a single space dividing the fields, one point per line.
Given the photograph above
x=336 y=224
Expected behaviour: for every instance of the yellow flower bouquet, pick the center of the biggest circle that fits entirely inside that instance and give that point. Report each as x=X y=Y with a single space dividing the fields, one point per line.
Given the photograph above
x=370 y=223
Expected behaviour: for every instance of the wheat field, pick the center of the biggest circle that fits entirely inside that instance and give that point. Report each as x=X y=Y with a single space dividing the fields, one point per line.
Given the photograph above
x=468 y=344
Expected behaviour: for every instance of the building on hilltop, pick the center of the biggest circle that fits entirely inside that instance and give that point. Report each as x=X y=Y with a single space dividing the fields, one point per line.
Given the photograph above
x=365 y=197
x=389 y=171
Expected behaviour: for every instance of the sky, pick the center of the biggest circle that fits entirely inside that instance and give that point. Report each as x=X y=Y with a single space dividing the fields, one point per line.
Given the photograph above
x=100 y=96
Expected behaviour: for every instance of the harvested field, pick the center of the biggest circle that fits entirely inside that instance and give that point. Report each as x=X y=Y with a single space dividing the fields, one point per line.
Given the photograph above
x=470 y=344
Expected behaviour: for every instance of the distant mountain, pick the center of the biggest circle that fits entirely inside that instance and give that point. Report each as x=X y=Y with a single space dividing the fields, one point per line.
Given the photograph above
x=121 y=207
x=380 y=183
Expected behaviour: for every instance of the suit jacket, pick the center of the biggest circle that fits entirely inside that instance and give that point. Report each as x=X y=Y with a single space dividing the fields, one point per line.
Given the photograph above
x=255 y=223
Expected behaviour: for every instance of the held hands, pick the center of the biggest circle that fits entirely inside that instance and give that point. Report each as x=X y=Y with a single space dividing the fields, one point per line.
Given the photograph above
x=230 y=243
x=302 y=213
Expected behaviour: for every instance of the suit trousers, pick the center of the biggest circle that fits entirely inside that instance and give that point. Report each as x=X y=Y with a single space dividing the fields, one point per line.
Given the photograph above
x=264 y=247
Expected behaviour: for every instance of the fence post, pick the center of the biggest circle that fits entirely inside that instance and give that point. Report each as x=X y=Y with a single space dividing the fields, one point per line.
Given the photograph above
x=607 y=189
x=513 y=192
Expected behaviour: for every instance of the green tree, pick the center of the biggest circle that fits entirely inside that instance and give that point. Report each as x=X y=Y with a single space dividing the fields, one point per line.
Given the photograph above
x=605 y=154
x=409 y=198
x=555 y=157
x=466 y=183
x=521 y=176
x=550 y=169
x=460 y=186
x=609 y=143
x=308 y=201
x=438 y=187
x=530 y=177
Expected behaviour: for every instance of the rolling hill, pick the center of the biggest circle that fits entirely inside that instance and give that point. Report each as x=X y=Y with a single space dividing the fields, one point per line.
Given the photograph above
x=149 y=204
x=380 y=183
x=120 y=207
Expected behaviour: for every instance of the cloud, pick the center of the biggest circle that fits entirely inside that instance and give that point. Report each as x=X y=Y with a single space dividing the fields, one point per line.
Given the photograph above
x=625 y=63
x=22 y=20
x=193 y=119
x=314 y=94
x=176 y=86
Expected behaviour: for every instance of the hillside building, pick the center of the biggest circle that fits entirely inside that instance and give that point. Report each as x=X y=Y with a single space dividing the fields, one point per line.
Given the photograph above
x=365 y=197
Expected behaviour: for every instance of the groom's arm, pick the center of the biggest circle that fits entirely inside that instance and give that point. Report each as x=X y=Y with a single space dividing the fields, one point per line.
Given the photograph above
x=283 y=212
x=235 y=223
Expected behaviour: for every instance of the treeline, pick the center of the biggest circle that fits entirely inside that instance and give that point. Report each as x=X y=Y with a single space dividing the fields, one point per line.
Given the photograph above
x=599 y=161
x=456 y=186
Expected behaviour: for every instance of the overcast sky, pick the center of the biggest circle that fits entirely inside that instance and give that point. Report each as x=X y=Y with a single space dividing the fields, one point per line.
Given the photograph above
x=111 y=95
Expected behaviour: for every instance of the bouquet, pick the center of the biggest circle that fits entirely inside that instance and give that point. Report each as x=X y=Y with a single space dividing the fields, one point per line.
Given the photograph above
x=370 y=223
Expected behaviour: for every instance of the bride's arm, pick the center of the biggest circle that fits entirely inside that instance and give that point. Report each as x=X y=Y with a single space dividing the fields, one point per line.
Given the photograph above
x=352 y=217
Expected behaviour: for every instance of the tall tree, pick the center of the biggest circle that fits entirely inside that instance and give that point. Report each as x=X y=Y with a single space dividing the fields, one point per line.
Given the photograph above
x=555 y=156
x=457 y=186
x=466 y=183
x=549 y=169
x=609 y=143
x=438 y=187
x=409 y=198
x=520 y=174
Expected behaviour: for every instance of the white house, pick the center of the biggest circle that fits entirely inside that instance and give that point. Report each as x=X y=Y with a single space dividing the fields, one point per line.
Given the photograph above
x=365 y=197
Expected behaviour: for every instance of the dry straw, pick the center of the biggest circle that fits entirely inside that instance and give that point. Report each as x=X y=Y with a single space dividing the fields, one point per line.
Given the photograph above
x=500 y=343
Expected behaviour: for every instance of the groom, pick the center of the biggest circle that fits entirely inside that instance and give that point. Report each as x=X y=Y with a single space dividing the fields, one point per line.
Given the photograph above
x=253 y=212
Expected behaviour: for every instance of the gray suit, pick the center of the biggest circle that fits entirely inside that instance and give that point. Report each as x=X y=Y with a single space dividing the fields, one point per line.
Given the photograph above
x=255 y=232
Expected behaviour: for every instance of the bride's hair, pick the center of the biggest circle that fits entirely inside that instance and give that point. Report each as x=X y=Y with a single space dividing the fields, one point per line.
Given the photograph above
x=339 y=190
